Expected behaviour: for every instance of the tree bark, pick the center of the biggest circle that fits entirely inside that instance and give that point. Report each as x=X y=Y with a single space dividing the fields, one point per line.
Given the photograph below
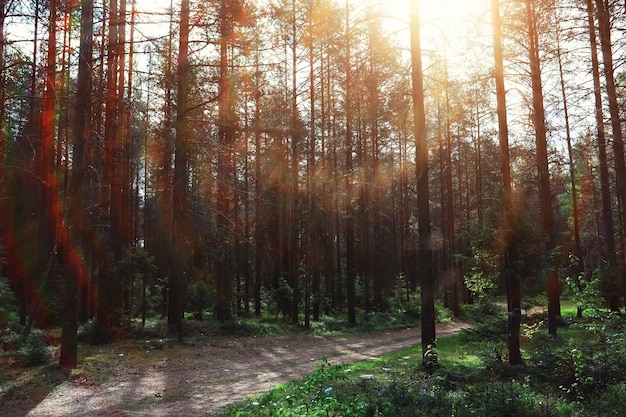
x=75 y=272
x=181 y=179
x=513 y=285
x=349 y=223
x=604 y=26
x=424 y=246
x=545 y=194
x=605 y=187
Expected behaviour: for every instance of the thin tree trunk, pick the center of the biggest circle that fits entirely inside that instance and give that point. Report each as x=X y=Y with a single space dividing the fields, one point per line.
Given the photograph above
x=577 y=252
x=294 y=244
x=51 y=218
x=4 y=9
x=349 y=223
x=225 y=163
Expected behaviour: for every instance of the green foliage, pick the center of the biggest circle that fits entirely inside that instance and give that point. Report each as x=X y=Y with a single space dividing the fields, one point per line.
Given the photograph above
x=548 y=360
x=587 y=295
x=586 y=366
x=7 y=304
x=481 y=311
x=503 y=399
x=489 y=331
x=489 y=322
x=482 y=276
x=337 y=391
x=247 y=327
x=200 y=294
x=580 y=374
x=34 y=349
x=481 y=265
x=443 y=314
x=394 y=386
x=277 y=300
x=9 y=323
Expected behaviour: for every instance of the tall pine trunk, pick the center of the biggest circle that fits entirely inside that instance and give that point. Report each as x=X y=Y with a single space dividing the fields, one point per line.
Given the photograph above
x=75 y=272
x=181 y=179
x=424 y=245
x=545 y=195
x=605 y=180
x=513 y=284
x=349 y=222
x=604 y=25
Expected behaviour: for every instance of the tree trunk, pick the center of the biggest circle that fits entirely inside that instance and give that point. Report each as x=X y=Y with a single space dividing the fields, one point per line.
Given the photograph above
x=181 y=179
x=75 y=272
x=424 y=248
x=604 y=25
x=109 y=293
x=511 y=278
x=545 y=195
x=579 y=266
x=349 y=223
x=225 y=163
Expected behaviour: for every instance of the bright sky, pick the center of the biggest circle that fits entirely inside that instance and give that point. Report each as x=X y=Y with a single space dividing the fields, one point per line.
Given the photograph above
x=450 y=24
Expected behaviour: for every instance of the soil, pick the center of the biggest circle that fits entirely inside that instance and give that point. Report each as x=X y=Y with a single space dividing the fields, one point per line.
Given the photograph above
x=152 y=378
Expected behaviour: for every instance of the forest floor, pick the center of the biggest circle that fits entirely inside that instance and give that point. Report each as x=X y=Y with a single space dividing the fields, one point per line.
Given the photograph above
x=195 y=378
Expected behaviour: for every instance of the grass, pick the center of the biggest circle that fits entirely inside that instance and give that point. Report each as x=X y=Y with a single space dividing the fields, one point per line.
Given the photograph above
x=571 y=376
x=354 y=389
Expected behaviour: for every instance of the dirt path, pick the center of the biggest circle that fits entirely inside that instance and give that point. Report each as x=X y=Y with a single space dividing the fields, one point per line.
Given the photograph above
x=198 y=379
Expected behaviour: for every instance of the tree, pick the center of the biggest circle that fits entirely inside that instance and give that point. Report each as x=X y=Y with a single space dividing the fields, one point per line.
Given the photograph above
x=75 y=271
x=349 y=222
x=545 y=194
x=604 y=27
x=424 y=246
x=605 y=190
x=181 y=180
x=577 y=252
x=511 y=278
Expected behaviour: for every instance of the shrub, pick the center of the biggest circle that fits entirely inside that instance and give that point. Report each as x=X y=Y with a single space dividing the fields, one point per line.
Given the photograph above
x=502 y=398
x=34 y=349
x=443 y=314
x=7 y=301
x=490 y=325
x=549 y=360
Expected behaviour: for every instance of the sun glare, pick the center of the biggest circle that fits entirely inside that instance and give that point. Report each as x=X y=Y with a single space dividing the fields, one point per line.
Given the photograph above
x=445 y=24
x=430 y=10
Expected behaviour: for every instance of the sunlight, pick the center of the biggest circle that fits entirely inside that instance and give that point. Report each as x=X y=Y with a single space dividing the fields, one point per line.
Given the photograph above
x=448 y=18
x=429 y=9
x=450 y=9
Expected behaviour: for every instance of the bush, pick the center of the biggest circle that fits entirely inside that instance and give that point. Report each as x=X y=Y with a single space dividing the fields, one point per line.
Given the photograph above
x=34 y=350
x=481 y=311
x=503 y=398
x=487 y=328
x=443 y=314
x=239 y=327
x=549 y=360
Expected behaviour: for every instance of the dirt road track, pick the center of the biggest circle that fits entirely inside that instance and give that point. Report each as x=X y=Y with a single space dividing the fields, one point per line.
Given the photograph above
x=201 y=378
